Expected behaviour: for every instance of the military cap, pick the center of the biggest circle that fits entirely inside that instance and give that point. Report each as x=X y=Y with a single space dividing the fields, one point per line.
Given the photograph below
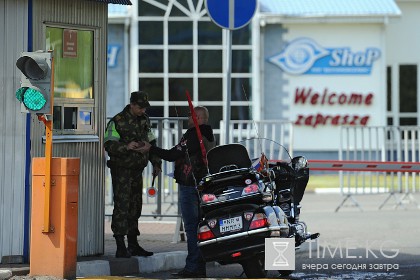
x=140 y=98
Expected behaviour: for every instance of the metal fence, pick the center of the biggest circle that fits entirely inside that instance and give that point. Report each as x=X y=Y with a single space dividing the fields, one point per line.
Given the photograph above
x=382 y=144
x=279 y=131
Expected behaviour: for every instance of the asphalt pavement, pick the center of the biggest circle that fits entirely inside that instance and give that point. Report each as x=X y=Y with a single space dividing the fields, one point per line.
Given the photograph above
x=345 y=232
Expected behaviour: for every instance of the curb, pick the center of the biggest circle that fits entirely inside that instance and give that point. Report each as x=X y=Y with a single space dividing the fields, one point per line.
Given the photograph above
x=134 y=265
x=5 y=274
x=116 y=267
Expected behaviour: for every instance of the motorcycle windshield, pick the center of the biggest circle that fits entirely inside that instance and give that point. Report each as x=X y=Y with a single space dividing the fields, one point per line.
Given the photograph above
x=272 y=150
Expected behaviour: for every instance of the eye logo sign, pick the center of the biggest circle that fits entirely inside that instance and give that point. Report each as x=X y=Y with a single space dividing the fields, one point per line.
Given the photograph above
x=304 y=56
x=299 y=56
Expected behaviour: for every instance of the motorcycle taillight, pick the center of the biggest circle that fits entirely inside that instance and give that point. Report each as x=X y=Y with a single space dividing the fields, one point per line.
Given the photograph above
x=259 y=221
x=250 y=189
x=204 y=233
x=206 y=198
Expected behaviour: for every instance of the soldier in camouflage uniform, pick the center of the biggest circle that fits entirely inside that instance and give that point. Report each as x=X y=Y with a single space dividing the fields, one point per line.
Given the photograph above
x=124 y=135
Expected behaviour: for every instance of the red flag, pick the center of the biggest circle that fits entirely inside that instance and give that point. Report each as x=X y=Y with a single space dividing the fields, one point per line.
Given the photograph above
x=197 y=128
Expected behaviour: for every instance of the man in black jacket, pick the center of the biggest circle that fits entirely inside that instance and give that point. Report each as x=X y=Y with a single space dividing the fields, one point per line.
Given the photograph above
x=189 y=169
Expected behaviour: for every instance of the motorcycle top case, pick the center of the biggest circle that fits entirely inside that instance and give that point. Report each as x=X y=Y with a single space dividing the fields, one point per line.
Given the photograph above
x=228 y=188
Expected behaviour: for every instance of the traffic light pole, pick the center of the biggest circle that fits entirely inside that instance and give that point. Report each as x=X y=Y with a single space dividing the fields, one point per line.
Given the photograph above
x=48 y=157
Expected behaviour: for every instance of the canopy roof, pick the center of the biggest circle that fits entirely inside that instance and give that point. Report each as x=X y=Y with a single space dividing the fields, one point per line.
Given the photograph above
x=326 y=8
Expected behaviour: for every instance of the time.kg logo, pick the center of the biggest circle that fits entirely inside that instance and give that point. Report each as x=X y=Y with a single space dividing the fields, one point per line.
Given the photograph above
x=279 y=253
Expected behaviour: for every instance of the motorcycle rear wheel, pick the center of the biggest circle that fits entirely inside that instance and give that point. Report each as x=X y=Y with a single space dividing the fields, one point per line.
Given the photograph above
x=254 y=267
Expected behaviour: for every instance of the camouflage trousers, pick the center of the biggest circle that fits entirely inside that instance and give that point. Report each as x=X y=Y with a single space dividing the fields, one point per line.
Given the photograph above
x=127 y=186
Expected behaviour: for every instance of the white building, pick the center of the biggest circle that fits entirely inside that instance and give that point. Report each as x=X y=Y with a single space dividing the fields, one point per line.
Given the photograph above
x=318 y=65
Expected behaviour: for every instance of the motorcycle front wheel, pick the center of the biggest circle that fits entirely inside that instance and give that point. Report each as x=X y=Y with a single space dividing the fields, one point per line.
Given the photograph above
x=254 y=267
x=285 y=273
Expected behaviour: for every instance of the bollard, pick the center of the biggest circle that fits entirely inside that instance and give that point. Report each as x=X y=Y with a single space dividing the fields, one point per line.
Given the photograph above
x=53 y=252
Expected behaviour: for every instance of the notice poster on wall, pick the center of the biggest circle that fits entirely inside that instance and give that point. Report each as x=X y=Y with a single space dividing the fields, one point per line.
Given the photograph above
x=69 y=43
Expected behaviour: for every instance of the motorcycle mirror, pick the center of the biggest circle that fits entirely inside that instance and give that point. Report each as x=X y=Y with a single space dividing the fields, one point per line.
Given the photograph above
x=299 y=162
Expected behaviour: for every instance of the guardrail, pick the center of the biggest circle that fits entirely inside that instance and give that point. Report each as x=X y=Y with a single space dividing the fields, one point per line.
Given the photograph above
x=378 y=159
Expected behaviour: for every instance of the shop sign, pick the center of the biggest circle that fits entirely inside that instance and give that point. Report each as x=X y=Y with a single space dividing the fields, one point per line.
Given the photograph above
x=309 y=96
x=305 y=56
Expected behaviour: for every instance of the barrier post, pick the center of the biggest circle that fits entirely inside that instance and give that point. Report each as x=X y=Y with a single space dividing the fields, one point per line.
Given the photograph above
x=54 y=252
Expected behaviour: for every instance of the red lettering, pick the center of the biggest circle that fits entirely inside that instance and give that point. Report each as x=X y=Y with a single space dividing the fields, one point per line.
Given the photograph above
x=335 y=120
x=314 y=99
x=353 y=122
x=330 y=99
x=303 y=95
x=319 y=120
x=297 y=122
x=345 y=119
x=368 y=99
x=300 y=95
x=308 y=120
x=324 y=95
x=364 y=120
x=342 y=99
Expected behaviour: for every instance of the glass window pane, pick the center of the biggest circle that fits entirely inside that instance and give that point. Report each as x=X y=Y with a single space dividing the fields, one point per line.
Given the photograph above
x=240 y=113
x=73 y=73
x=209 y=33
x=215 y=116
x=179 y=111
x=146 y=9
x=178 y=87
x=150 y=32
x=155 y=111
x=408 y=88
x=389 y=88
x=176 y=12
x=153 y=86
x=210 y=89
x=242 y=36
x=210 y=61
x=180 y=33
x=241 y=89
x=180 y=61
x=150 y=61
x=241 y=61
x=57 y=118
x=408 y=121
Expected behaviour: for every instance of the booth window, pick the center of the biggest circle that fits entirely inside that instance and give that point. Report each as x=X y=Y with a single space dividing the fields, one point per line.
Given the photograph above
x=74 y=101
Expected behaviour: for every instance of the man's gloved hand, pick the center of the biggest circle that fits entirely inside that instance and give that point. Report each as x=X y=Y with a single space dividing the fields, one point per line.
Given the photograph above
x=145 y=147
x=156 y=170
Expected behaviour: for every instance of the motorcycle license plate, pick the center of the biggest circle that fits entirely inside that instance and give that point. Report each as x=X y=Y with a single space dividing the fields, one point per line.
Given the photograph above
x=230 y=224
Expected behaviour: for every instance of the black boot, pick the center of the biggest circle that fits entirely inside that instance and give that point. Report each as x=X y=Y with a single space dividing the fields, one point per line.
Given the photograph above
x=122 y=251
x=135 y=249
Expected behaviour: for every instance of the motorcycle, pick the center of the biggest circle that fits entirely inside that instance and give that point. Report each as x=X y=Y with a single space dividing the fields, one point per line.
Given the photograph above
x=243 y=201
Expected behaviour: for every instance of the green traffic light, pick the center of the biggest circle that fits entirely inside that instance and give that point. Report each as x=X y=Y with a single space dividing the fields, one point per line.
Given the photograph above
x=32 y=99
x=20 y=92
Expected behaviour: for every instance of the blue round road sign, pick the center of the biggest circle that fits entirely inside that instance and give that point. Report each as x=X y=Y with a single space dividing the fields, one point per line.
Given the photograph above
x=231 y=14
